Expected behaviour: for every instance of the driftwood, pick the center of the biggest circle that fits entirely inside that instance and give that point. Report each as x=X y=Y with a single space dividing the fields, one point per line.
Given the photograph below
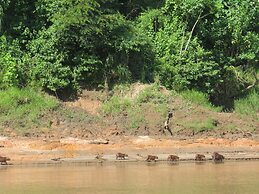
x=82 y=141
x=99 y=141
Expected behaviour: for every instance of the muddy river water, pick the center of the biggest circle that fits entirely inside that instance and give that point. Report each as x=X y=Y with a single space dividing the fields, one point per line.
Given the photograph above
x=132 y=178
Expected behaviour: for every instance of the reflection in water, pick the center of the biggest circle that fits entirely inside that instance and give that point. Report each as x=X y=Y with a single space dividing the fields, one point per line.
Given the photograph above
x=126 y=178
x=200 y=162
x=173 y=163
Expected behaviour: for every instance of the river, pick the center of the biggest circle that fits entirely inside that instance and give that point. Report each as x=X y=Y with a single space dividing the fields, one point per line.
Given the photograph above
x=132 y=178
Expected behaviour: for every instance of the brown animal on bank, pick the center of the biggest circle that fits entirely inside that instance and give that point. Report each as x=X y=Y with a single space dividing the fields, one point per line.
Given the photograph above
x=172 y=158
x=99 y=156
x=151 y=158
x=3 y=160
x=56 y=159
x=121 y=156
x=200 y=157
x=216 y=157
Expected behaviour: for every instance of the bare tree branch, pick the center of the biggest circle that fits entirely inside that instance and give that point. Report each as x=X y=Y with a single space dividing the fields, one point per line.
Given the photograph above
x=181 y=49
x=199 y=17
x=253 y=85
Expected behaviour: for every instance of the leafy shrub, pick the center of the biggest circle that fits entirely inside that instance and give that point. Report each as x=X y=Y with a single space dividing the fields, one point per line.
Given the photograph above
x=199 y=98
x=249 y=105
x=12 y=70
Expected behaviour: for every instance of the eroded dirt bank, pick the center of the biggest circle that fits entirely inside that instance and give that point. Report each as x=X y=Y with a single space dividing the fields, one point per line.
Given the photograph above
x=133 y=121
x=36 y=151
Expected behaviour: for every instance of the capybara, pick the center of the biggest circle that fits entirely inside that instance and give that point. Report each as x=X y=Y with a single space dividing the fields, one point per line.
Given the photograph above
x=172 y=158
x=99 y=156
x=121 y=156
x=216 y=157
x=200 y=157
x=151 y=158
x=4 y=160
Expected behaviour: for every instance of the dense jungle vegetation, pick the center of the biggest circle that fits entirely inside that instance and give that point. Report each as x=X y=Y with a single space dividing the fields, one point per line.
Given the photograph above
x=62 y=46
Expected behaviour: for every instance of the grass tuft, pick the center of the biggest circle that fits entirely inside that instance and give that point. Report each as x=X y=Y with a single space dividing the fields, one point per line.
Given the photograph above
x=200 y=126
x=153 y=95
x=116 y=105
x=200 y=99
x=248 y=106
x=21 y=108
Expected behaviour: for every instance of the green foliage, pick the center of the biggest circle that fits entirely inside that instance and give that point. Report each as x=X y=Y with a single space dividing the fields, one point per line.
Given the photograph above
x=75 y=116
x=199 y=98
x=135 y=108
x=182 y=64
x=136 y=117
x=116 y=105
x=12 y=68
x=121 y=90
x=248 y=106
x=85 y=42
x=152 y=95
x=63 y=45
x=24 y=108
x=234 y=44
x=3 y=5
x=19 y=20
x=231 y=127
x=196 y=46
x=46 y=63
x=200 y=126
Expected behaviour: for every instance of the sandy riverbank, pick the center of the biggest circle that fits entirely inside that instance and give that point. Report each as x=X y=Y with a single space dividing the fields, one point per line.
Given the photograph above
x=69 y=150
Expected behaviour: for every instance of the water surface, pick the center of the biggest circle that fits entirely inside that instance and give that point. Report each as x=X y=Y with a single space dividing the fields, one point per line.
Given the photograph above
x=133 y=178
